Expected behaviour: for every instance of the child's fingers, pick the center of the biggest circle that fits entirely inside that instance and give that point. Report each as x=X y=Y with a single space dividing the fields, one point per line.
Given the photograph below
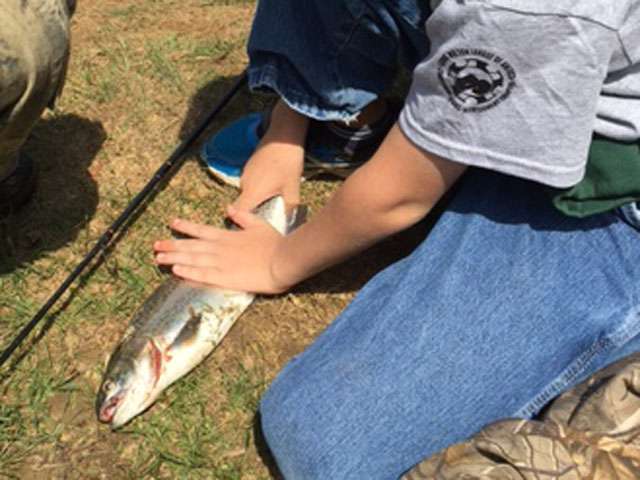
x=201 y=246
x=191 y=259
x=197 y=230
x=205 y=276
x=243 y=218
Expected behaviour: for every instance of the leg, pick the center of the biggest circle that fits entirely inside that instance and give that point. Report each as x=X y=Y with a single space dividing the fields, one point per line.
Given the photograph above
x=503 y=306
x=34 y=52
x=596 y=421
x=328 y=60
x=32 y=71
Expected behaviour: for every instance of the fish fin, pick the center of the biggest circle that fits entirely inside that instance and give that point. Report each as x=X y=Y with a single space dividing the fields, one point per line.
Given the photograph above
x=190 y=330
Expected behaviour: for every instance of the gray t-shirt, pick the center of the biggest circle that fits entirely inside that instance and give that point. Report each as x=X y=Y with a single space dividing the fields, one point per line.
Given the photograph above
x=519 y=86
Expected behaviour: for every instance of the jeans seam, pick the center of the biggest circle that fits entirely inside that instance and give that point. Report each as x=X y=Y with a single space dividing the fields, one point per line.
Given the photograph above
x=629 y=329
x=616 y=339
x=269 y=74
x=566 y=377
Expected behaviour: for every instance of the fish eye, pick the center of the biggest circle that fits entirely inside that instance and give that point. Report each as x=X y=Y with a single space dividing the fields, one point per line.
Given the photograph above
x=108 y=386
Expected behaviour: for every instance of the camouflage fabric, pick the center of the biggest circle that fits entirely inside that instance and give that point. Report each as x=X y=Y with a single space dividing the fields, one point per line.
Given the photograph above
x=591 y=432
x=34 y=52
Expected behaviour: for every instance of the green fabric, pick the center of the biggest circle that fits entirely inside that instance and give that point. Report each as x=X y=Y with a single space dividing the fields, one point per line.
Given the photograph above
x=612 y=179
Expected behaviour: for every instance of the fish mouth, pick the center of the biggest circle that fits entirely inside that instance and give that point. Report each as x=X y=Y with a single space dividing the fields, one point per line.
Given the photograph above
x=108 y=411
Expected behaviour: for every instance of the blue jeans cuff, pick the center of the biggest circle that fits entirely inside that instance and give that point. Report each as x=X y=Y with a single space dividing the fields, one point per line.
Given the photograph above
x=280 y=78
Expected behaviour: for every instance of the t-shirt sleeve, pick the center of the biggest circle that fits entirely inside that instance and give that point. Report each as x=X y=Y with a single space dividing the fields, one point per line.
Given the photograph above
x=510 y=89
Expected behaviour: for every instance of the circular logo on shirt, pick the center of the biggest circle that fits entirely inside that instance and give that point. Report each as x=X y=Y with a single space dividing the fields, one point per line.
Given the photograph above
x=475 y=80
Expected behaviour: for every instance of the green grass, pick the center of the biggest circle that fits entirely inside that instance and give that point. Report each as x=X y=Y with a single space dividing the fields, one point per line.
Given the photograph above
x=183 y=436
x=212 y=50
x=161 y=65
x=142 y=74
x=134 y=77
x=243 y=389
x=24 y=422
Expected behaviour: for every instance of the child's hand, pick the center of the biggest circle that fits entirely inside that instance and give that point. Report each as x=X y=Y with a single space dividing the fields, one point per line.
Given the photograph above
x=274 y=169
x=276 y=166
x=238 y=260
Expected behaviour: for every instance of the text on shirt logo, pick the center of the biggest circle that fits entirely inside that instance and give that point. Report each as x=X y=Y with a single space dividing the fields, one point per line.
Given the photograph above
x=475 y=79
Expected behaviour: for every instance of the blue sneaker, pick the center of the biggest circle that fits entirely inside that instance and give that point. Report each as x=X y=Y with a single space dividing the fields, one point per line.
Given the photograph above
x=226 y=153
x=330 y=148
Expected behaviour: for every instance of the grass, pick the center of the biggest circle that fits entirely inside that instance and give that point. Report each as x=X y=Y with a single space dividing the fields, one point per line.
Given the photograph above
x=128 y=95
x=24 y=424
x=161 y=65
x=142 y=75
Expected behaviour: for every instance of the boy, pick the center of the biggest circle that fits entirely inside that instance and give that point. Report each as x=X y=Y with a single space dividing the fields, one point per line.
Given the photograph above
x=526 y=285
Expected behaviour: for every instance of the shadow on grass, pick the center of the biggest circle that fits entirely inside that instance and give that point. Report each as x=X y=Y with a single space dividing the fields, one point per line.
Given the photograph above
x=263 y=449
x=207 y=95
x=63 y=147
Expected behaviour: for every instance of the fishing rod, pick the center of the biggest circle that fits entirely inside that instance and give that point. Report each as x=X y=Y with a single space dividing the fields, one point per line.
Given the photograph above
x=106 y=237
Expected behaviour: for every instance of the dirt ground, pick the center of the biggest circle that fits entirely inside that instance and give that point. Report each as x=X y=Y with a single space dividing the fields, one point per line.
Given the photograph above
x=142 y=74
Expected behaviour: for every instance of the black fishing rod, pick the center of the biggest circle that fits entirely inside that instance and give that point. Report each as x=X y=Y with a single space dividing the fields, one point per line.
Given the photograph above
x=106 y=237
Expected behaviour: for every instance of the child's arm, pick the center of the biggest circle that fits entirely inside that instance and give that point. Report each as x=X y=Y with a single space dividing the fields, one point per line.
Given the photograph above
x=392 y=191
x=276 y=166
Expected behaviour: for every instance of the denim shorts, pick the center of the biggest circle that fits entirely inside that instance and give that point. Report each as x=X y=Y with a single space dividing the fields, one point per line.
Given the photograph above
x=333 y=58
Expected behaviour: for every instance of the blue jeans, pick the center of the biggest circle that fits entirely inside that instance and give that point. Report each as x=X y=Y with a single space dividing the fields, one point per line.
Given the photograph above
x=504 y=305
x=328 y=59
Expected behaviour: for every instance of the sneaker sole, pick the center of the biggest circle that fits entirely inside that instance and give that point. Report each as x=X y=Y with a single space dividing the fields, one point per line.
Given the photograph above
x=224 y=178
x=310 y=171
x=314 y=167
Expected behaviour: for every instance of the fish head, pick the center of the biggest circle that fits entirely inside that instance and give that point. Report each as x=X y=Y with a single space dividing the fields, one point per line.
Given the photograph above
x=126 y=390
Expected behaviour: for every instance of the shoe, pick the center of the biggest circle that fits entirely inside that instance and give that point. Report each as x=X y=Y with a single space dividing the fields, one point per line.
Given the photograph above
x=330 y=148
x=226 y=153
x=17 y=189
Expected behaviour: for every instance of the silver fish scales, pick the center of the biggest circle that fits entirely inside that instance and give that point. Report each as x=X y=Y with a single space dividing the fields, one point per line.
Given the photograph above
x=174 y=330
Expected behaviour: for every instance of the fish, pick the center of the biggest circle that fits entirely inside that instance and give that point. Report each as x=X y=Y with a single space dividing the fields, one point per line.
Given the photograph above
x=174 y=330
